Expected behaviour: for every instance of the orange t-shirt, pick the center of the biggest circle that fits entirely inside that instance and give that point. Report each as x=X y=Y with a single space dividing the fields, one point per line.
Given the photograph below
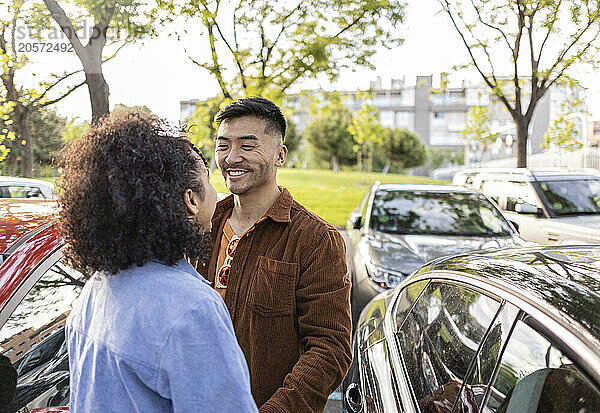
x=225 y=238
x=224 y=242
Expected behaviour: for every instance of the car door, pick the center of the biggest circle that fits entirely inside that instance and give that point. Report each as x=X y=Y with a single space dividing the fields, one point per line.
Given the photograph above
x=535 y=374
x=32 y=336
x=513 y=193
x=438 y=343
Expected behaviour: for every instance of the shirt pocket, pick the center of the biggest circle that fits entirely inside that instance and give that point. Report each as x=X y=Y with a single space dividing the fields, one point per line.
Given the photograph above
x=272 y=293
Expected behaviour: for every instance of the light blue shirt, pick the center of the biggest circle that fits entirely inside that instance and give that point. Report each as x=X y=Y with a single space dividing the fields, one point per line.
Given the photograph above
x=155 y=339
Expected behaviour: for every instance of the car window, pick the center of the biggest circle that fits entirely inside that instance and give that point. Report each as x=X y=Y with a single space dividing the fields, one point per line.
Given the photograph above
x=21 y=191
x=520 y=193
x=482 y=369
x=440 y=338
x=494 y=189
x=572 y=197
x=436 y=213
x=33 y=339
x=405 y=301
x=535 y=376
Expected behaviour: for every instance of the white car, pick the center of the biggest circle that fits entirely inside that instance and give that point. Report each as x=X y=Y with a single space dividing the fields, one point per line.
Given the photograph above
x=13 y=187
x=548 y=206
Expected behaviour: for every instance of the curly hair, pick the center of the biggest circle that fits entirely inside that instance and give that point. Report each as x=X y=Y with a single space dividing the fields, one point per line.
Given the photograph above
x=121 y=195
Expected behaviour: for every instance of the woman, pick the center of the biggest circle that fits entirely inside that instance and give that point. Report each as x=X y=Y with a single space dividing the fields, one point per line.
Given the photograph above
x=147 y=332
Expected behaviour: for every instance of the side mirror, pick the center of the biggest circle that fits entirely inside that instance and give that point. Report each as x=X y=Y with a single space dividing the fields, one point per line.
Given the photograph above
x=523 y=208
x=353 y=398
x=357 y=222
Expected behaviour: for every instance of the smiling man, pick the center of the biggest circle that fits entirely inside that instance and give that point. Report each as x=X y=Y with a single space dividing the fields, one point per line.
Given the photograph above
x=280 y=268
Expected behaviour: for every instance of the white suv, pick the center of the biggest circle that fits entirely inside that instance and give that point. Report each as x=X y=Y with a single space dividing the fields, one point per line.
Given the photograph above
x=547 y=205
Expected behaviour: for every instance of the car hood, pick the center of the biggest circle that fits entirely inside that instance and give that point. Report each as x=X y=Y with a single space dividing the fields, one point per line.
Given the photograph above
x=592 y=221
x=412 y=251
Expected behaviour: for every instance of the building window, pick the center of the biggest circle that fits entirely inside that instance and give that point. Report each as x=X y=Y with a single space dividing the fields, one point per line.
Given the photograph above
x=386 y=118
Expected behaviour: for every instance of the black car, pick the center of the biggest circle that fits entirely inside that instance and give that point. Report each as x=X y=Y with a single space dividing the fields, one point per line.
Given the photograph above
x=398 y=228
x=507 y=331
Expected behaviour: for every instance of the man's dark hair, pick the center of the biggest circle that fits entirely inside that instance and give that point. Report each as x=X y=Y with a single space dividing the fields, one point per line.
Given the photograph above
x=121 y=195
x=257 y=107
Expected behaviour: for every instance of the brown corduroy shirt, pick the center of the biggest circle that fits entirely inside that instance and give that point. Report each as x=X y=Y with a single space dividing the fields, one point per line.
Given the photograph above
x=288 y=296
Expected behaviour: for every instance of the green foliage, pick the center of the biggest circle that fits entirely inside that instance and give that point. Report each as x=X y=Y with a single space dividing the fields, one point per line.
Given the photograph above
x=143 y=110
x=47 y=130
x=292 y=137
x=201 y=126
x=74 y=130
x=269 y=46
x=128 y=19
x=439 y=157
x=365 y=126
x=6 y=132
x=477 y=128
x=563 y=131
x=402 y=147
x=328 y=133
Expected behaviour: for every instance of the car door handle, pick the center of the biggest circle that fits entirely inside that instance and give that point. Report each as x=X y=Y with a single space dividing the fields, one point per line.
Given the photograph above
x=553 y=237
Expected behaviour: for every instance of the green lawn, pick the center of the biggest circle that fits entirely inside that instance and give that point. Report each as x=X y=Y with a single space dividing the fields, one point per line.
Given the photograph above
x=330 y=195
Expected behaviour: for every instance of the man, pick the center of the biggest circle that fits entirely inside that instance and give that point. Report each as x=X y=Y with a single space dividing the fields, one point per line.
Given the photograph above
x=147 y=333
x=279 y=267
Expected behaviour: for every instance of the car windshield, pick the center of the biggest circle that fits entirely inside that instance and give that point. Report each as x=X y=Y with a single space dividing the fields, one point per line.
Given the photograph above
x=436 y=213
x=572 y=197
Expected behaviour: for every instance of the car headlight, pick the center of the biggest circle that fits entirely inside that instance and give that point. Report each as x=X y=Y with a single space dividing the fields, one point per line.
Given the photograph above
x=383 y=277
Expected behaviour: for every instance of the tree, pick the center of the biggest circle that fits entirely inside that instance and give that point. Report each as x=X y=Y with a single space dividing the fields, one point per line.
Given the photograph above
x=542 y=39
x=478 y=126
x=46 y=128
x=402 y=147
x=121 y=17
x=271 y=45
x=292 y=137
x=439 y=157
x=563 y=132
x=366 y=131
x=143 y=110
x=202 y=129
x=23 y=101
x=328 y=133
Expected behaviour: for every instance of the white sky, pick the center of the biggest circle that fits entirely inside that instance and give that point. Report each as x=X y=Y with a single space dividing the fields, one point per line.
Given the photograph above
x=157 y=73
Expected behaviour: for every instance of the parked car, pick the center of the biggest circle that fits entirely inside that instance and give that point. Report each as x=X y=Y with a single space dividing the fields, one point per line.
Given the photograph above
x=510 y=331
x=548 y=206
x=36 y=292
x=13 y=187
x=398 y=228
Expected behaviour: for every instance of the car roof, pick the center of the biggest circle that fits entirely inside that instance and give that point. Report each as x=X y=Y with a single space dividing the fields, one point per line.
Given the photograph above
x=424 y=188
x=532 y=174
x=21 y=216
x=25 y=181
x=566 y=278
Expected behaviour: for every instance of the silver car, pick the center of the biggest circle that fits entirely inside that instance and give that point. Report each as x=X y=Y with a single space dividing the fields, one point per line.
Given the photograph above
x=14 y=187
x=548 y=206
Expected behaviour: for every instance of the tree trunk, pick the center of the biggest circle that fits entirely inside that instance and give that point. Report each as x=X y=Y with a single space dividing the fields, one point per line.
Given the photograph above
x=386 y=168
x=98 y=89
x=522 y=126
x=12 y=165
x=25 y=142
x=335 y=165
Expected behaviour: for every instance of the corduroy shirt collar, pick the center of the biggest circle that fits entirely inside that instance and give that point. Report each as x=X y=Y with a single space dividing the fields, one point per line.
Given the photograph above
x=278 y=212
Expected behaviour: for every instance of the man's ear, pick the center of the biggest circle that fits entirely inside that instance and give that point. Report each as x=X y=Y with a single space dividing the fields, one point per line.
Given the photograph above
x=281 y=155
x=190 y=201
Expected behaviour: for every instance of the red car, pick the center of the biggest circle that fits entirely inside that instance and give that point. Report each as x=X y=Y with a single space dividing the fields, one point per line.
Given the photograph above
x=36 y=293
